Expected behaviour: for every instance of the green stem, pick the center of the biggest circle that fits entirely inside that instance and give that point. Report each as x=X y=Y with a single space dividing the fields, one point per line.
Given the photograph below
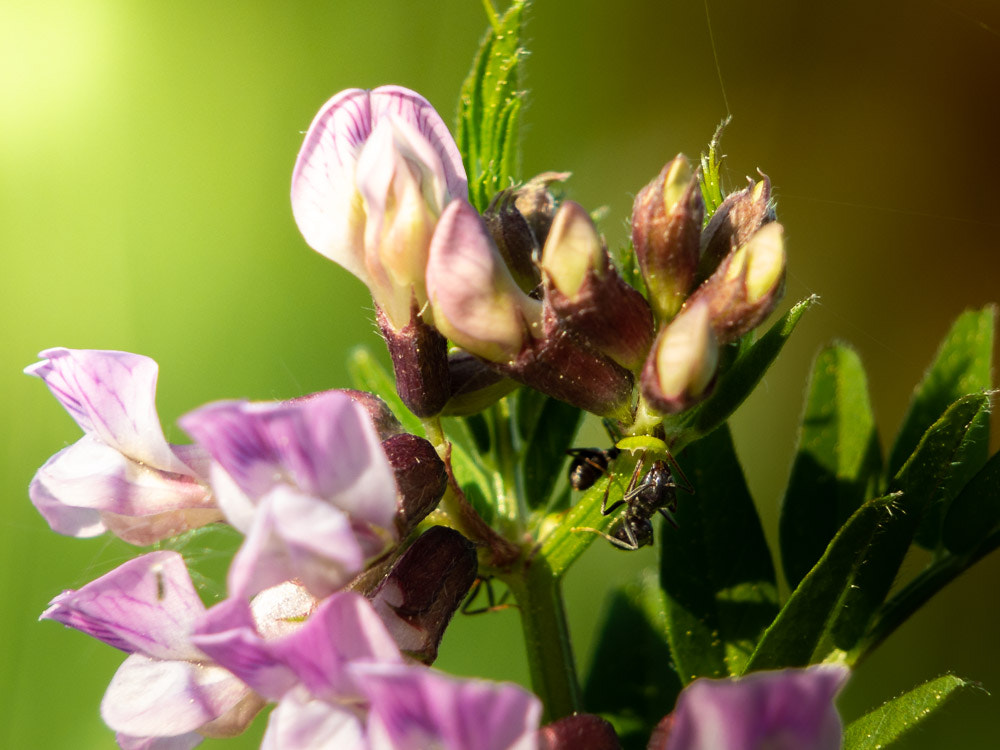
x=546 y=638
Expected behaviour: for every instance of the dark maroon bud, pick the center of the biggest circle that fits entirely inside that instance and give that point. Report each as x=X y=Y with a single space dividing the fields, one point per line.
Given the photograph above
x=537 y=204
x=474 y=385
x=666 y=230
x=559 y=365
x=515 y=241
x=386 y=424
x=424 y=588
x=421 y=478
x=420 y=360
x=734 y=222
x=578 y=732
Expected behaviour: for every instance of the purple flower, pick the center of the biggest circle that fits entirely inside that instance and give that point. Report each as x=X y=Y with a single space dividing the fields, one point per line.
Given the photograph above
x=122 y=474
x=166 y=690
x=790 y=709
x=375 y=171
x=414 y=707
x=307 y=481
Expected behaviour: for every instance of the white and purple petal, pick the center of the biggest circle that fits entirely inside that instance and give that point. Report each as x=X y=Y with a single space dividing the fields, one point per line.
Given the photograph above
x=111 y=395
x=300 y=721
x=155 y=698
x=413 y=706
x=325 y=446
x=790 y=709
x=147 y=606
x=77 y=489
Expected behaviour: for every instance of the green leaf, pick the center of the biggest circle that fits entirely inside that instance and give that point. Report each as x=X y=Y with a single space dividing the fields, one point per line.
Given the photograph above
x=632 y=679
x=837 y=461
x=715 y=568
x=736 y=383
x=489 y=109
x=794 y=638
x=917 y=482
x=961 y=367
x=892 y=720
x=544 y=453
x=975 y=513
x=368 y=375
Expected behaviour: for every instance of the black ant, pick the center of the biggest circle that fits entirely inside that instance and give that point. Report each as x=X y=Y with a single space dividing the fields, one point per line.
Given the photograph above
x=589 y=465
x=654 y=493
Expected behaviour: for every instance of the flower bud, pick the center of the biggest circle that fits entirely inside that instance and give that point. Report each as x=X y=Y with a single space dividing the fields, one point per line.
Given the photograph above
x=420 y=362
x=421 y=478
x=586 y=293
x=666 y=230
x=578 y=732
x=514 y=239
x=382 y=418
x=747 y=286
x=537 y=204
x=475 y=301
x=474 y=385
x=682 y=363
x=735 y=220
x=560 y=366
x=424 y=588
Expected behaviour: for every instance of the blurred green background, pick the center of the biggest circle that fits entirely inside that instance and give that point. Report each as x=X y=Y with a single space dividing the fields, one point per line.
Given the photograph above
x=145 y=157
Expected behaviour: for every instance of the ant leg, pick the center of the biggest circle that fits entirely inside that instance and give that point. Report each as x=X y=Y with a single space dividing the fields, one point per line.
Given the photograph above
x=669 y=516
x=614 y=540
x=687 y=486
x=492 y=604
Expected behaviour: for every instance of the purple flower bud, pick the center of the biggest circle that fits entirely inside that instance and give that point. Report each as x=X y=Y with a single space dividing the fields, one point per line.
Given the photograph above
x=420 y=362
x=790 y=709
x=514 y=239
x=475 y=301
x=424 y=588
x=578 y=732
x=421 y=478
x=588 y=296
x=747 y=285
x=536 y=203
x=474 y=385
x=666 y=230
x=736 y=219
x=681 y=365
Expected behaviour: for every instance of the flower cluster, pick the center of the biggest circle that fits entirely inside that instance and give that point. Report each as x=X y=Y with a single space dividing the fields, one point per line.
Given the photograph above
x=341 y=588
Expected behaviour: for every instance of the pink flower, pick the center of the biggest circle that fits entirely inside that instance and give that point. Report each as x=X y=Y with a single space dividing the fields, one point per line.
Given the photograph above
x=791 y=709
x=375 y=171
x=308 y=483
x=122 y=474
x=166 y=690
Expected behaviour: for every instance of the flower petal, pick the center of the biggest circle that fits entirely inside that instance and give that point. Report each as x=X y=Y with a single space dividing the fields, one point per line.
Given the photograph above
x=411 y=107
x=179 y=742
x=154 y=698
x=111 y=395
x=476 y=302
x=326 y=205
x=297 y=536
x=790 y=709
x=148 y=605
x=300 y=722
x=77 y=486
x=325 y=446
x=419 y=707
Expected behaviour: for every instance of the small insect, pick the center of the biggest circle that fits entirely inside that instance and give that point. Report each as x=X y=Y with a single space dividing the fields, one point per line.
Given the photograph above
x=646 y=494
x=589 y=465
